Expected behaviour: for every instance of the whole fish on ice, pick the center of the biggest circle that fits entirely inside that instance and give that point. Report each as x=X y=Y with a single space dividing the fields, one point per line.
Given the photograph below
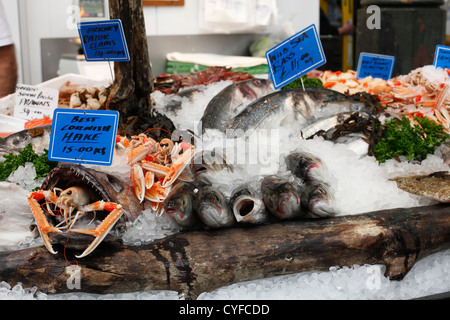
x=291 y=107
x=232 y=100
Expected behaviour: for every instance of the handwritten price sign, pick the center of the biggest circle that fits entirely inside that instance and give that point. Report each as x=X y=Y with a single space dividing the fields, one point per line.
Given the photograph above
x=32 y=102
x=375 y=65
x=103 y=40
x=83 y=136
x=295 y=56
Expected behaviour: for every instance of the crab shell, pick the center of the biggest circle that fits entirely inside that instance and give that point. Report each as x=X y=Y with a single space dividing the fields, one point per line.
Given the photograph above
x=102 y=186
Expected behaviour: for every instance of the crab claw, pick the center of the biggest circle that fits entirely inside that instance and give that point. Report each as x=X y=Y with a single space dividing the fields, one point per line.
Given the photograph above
x=156 y=193
x=104 y=227
x=43 y=226
x=149 y=179
x=178 y=166
x=138 y=181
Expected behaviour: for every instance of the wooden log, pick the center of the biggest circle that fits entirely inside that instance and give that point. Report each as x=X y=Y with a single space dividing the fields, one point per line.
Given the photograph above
x=201 y=261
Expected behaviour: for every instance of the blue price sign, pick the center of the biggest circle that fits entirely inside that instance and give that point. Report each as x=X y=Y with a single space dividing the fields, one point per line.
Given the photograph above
x=295 y=56
x=83 y=136
x=442 y=57
x=375 y=65
x=103 y=40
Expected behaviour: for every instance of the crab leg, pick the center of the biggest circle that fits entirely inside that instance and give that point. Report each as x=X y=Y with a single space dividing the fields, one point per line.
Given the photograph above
x=177 y=167
x=158 y=169
x=43 y=226
x=104 y=227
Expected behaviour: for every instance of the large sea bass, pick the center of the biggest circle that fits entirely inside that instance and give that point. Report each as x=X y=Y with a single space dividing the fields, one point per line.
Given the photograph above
x=292 y=106
x=232 y=100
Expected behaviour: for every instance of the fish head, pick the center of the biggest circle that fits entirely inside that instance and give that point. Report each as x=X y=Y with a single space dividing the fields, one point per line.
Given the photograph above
x=321 y=202
x=179 y=203
x=254 y=88
x=302 y=164
x=280 y=197
x=288 y=204
x=212 y=207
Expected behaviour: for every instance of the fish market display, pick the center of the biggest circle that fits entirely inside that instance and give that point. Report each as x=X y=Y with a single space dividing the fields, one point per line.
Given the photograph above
x=232 y=100
x=72 y=198
x=435 y=186
x=424 y=92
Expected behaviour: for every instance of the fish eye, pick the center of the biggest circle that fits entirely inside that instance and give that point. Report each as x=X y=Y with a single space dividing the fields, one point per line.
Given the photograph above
x=69 y=192
x=270 y=201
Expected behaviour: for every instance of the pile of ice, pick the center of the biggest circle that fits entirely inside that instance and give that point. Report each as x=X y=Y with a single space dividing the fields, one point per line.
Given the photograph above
x=149 y=226
x=192 y=108
x=25 y=176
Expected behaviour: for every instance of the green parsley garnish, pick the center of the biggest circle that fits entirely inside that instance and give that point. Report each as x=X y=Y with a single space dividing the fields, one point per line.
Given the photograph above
x=413 y=141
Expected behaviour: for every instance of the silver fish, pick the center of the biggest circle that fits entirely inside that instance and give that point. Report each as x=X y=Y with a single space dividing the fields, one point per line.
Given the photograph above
x=232 y=100
x=303 y=165
x=179 y=204
x=287 y=107
x=248 y=206
x=318 y=198
x=212 y=208
x=39 y=137
x=281 y=197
